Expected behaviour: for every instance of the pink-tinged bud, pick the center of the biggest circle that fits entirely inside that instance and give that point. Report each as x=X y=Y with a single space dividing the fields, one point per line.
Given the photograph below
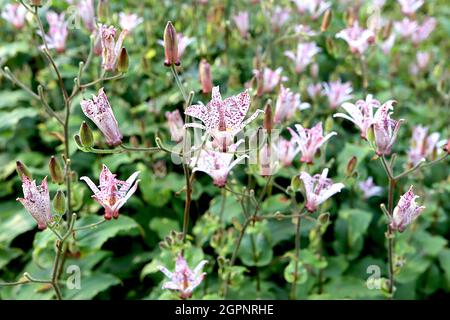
x=314 y=71
x=55 y=171
x=122 y=65
x=111 y=48
x=318 y=189
x=112 y=193
x=351 y=165
x=176 y=125
x=268 y=117
x=97 y=45
x=100 y=112
x=59 y=202
x=183 y=279
x=22 y=170
x=15 y=14
x=36 y=201
x=204 y=73
x=406 y=211
x=86 y=136
x=385 y=129
x=326 y=20
x=171 y=45
x=447 y=147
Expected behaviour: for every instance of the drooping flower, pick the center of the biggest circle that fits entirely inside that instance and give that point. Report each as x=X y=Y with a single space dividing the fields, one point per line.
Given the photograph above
x=309 y=140
x=406 y=211
x=406 y=27
x=287 y=150
x=409 y=7
x=87 y=14
x=100 y=112
x=314 y=7
x=176 y=125
x=304 y=30
x=268 y=79
x=129 y=21
x=423 y=31
x=314 y=90
x=360 y=113
x=112 y=193
x=287 y=103
x=36 y=200
x=318 y=189
x=385 y=129
x=57 y=34
x=422 y=145
x=357 y=38
x=110 y=47
x=304 y=55
x=369 y=188
x=183 y=279
x=279 y=17
x=386 y=46
x=222 y=119
x=337 y=92
x=15 y=14
x=217 y=164
x=242 y=22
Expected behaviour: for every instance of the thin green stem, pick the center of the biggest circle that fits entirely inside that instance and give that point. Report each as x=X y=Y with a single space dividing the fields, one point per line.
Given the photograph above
x=90 y=226
x=293 y=294
x=178 y=81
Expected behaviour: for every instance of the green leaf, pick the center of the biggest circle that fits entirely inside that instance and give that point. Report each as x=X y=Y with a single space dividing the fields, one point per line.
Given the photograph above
x=8 y=254
x=14 y=220
x=444 y=260
x=11 y=118
x=162 y=226
x=91 y=286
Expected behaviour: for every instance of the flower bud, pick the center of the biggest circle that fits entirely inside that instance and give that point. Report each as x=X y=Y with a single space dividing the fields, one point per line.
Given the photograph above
x=36 y=3
x=329 y=123
x=98 y=45
x=268 y=117
x=59 y=202
x=387 y=30
x=350 y=16
x=102 y=10
x=55 y=171
x=22 y=170
x=324 y=218
x=86 y=136
x=329 y=44
x=326 y=20
x=351 y=164
x=447 y=147
x=170 y=46
x=78 y=141
x=204 y=73
x=122 y=65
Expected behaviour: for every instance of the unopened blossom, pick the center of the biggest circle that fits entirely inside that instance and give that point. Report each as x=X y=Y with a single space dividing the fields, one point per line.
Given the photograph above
x=409 y=7
x=360 y=113
x=423 y=30
x=318 y=189
x=110 y=47
x=304 y=30
x=369 y=188
x=279 y=17
x=15 y=14
x=422 y=145
x=385 y=129
x=357 y=38
x=204 y=75
x=86 y=12
x=100 y=112
x=423 y=59
x=242 y=23
x=222 y=119
x=287 y=150
x=58 y=31
x=36 y=200
x=314 y=90
x=337 y=92
x=287 y=103
x=386 y=45
x=176 y=125
x=406 y=211
x=129 y=21
x=314 y=8
x=112 y=193
x=183 y=279
x=303 y=56
x=217 y=164
x=406 y=27
x=268 y=79
x=309 y=140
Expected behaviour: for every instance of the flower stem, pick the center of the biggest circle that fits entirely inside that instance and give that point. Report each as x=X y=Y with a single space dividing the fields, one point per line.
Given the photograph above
x=293 y=294
x=178 y=81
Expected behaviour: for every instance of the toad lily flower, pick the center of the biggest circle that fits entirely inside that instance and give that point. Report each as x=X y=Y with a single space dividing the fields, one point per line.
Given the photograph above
x=184 y=280
x=37 y=201
x=268 y=79
x=129 y=21
x=287 y=104
x=110 y=48
x=15 y=14
x=385 y=129
x=287 y=150
x=337 y=92
x=409 y=7
x=309 y=140
x=314 y=7
x=112 y=193
x=314 y=90
x=304 y=55
x=406 y=211
x=422 y=145
x=86 y=13
x=423 y=31
x=100 y=112
x=361 y=113
x=318 y=189
x=222 y=119
x=369 y=188
x=357 y=38
x=406 y=27
x=57 y=34
x=242 y=23
x=279 y=18
x=176 y=125
x=217 y=164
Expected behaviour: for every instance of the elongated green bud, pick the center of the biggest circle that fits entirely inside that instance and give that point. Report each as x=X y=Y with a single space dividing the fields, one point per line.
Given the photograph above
x=122 y=65
x=59 y=202
x=22 y=170
x=326 y=20
x=170 y=45
x=55 y=171
x=351 y=164
x=86 y=136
